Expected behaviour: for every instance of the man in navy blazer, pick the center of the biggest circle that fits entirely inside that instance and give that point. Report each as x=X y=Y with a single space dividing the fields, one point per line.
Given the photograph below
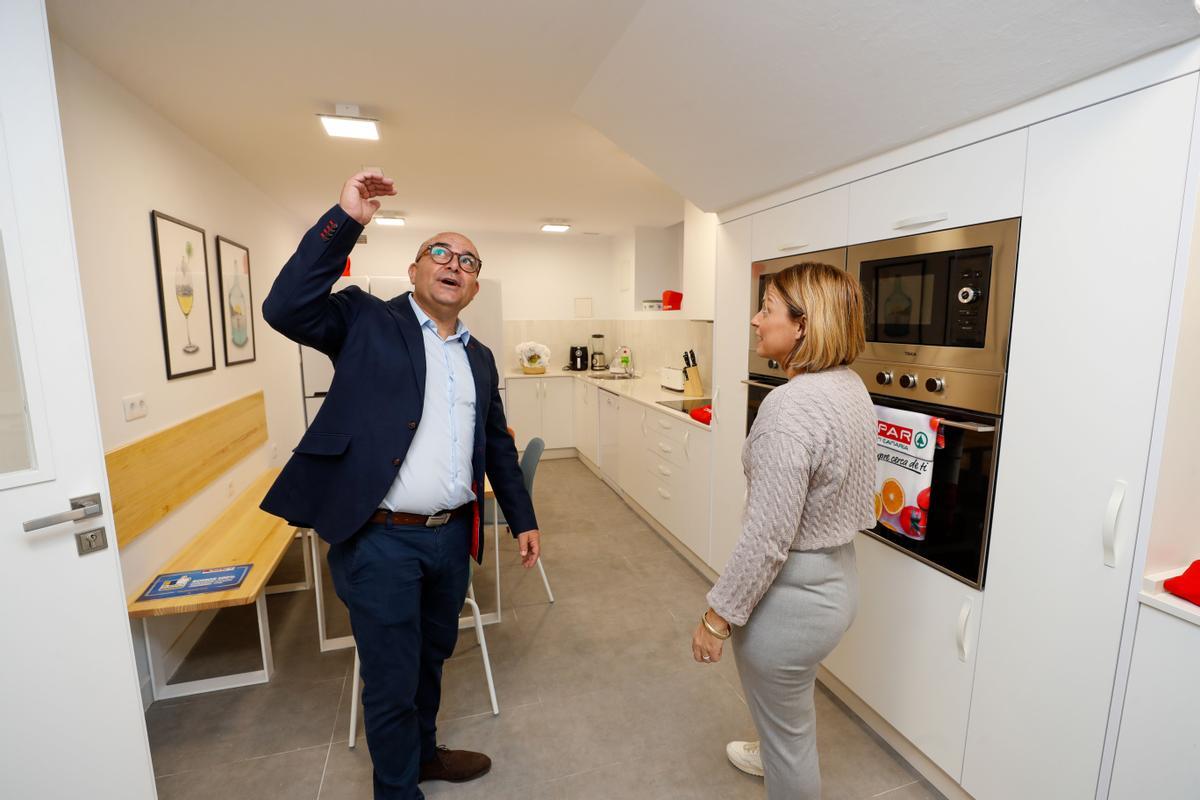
x=391 y=471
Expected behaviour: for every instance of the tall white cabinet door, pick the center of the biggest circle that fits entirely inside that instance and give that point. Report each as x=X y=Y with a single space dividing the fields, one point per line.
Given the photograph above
x=558 y=412
x=1104 y=191
x=731 y=340
x=523 y=408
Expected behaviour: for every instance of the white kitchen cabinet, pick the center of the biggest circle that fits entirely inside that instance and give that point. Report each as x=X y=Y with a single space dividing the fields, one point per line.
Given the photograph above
x=609 y=406
x=699 y=261
x=978 y=183
x=587 y=420
x=910 y=653
x=818 y=222
x=541 y=407
x=1158 y=751
x=631 y=436
x=1097 y=255
x=665 y=468
x=729 y=393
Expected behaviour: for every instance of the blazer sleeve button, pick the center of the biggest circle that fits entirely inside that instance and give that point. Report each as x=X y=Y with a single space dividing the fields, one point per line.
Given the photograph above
x=412 y=426
x=395 y=462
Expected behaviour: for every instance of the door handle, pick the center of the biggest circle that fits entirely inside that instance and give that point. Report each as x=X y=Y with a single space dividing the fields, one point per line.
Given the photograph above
x=83 y=507
x=1109 y=533
x=916 y=222
x=964 y=616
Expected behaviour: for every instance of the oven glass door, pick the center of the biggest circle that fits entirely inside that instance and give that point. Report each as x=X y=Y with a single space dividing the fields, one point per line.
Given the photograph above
x=960 y=497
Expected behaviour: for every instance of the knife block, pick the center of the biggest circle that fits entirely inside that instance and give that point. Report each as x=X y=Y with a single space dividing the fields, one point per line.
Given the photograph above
x=692 y=386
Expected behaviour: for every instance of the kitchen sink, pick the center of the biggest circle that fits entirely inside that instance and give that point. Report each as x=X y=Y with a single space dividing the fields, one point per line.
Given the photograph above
x=610 y=376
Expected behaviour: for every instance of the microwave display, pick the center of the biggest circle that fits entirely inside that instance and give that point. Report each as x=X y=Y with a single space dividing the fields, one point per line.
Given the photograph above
x=936 y=299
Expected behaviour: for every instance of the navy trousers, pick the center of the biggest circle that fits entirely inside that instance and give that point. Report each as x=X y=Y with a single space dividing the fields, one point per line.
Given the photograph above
x=405 y=586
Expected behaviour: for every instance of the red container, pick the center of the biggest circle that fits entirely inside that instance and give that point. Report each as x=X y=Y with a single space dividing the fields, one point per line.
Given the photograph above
x=672 y=300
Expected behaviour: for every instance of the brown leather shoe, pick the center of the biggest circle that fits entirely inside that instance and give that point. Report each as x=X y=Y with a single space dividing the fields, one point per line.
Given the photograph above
x=456 y=766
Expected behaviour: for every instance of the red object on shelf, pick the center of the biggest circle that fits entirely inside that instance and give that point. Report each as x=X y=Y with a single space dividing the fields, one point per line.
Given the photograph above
x=346 y=271
x=1186 y=585
x=672 y=300
x=702 y=414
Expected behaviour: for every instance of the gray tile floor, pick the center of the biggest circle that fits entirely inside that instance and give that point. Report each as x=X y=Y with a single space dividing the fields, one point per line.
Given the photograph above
x=598 y=694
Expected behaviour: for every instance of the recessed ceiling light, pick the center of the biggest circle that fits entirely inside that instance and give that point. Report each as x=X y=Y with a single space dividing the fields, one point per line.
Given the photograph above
x=389 y=218
x=346 y=123
x=555 y=227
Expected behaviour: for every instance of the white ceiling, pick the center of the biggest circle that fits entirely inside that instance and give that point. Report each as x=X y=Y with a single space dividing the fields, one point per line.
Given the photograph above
x=482 y=103
x=728 y=101
x=474 y=100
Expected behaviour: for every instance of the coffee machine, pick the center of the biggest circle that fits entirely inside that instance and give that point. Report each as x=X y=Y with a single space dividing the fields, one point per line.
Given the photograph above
x=599 y=360
x=579 y=358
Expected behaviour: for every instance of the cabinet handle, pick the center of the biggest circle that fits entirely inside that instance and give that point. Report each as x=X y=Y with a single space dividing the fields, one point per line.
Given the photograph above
x=664 y=493
x=643 y=423
x=664 y=471
x=716 y=405
x=964 y=615
x=1110 y=523
x=916 y=222
x=666 y=448
x=787 y=247
x=666 y=426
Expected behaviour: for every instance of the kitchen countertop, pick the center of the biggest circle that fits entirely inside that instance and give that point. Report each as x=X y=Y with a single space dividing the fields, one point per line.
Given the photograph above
x=645 y=389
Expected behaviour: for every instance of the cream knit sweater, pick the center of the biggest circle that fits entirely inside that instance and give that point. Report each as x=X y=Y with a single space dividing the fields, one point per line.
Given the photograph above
x=810 y=480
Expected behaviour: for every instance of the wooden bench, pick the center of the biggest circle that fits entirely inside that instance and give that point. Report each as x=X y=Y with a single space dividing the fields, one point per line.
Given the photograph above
x=153 y=476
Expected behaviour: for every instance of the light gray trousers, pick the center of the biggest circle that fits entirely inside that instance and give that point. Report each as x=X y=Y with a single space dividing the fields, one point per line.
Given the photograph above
x=797 y=623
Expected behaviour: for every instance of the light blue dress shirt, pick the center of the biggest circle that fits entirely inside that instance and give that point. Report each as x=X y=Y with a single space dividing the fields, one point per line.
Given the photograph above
x=436 y=473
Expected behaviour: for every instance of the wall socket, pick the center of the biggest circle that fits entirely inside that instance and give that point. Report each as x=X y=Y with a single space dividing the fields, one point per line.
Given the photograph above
x=135 y=406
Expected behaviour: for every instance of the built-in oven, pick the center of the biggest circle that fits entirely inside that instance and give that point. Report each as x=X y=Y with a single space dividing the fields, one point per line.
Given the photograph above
x=938 y=313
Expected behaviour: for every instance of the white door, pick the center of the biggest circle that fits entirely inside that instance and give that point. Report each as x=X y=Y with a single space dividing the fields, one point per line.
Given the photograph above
x=71 y=721
x=1105 y=190
x=558 y=412
x=523 y=408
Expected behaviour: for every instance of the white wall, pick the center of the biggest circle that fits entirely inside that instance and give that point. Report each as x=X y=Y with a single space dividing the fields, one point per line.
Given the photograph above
x=1174 y=539
x=123 y=160
x=540 y=274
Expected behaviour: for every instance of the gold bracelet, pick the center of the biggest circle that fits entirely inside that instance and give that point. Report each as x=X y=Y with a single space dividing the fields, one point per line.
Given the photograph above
x=709 y=626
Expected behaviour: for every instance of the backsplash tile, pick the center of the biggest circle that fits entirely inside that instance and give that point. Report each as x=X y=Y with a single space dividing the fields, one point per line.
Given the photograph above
x=653 y=342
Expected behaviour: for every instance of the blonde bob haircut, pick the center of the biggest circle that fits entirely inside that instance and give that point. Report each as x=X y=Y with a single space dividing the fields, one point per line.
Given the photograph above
x=831 y=303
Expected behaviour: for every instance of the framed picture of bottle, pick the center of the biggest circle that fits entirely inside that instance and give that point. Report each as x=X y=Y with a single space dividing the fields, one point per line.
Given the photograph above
x=237 y=302
x=184 y=305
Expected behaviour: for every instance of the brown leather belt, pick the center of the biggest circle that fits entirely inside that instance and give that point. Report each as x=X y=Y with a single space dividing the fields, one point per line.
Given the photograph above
x=383 y=516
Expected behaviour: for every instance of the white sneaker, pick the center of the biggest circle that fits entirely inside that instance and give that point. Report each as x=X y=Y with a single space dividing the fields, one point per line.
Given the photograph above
x=745 y=756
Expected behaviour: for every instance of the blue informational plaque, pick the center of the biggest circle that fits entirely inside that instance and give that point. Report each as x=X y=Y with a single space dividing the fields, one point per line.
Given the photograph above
x=197 y=581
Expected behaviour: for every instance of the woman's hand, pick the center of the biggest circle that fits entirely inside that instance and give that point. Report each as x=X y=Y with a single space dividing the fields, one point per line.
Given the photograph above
x=706 y=648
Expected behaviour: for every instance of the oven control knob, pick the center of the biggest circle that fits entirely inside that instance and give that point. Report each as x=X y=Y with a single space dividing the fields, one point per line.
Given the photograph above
x=772 y=363
x=883 y=378
x=935 y=385
x=968 y=294
x=908 y=381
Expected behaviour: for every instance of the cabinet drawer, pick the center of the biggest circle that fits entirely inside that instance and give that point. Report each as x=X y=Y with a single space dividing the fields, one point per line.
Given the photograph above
x=666 y=427
x=664 y=471
x=812 y=223
x=979 y=183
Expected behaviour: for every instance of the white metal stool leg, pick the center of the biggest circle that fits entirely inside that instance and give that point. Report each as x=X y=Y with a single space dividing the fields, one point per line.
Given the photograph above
x=354 y=703
x=487 y=662
x=545 y=580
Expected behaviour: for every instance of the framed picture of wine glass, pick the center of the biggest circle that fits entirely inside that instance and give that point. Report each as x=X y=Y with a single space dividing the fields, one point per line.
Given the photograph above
x=184 y=305
x=237 y=302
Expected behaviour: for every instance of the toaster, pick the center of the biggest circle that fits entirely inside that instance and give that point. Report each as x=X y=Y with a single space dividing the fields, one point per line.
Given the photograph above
x=671 y=378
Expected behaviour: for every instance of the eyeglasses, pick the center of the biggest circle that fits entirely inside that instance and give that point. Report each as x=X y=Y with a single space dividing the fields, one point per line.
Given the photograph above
x=441 y=253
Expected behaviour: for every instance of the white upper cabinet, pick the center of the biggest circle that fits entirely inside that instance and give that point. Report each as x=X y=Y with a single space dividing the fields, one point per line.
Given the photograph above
x=699 y=262
x=812 y=223
x=1105 y=190
x=979 y=183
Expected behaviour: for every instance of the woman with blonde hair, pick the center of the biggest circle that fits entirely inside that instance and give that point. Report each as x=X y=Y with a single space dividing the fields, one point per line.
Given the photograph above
x=790 y=587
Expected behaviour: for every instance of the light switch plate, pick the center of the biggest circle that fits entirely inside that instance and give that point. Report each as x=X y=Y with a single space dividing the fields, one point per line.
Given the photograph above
x=90 y=541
